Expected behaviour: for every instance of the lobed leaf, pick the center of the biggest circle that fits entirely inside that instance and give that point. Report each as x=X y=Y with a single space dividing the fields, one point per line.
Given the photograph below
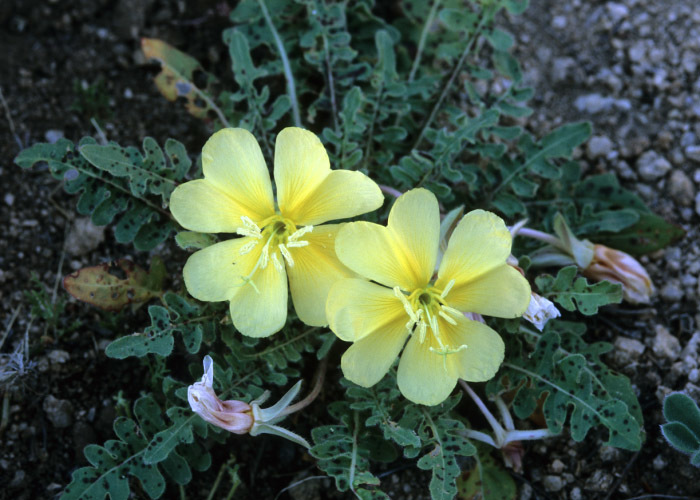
x=578 y=295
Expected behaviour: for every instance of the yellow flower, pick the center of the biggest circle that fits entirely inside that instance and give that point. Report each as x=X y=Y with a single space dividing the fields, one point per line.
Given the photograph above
x=235 y=196
x=405 y=299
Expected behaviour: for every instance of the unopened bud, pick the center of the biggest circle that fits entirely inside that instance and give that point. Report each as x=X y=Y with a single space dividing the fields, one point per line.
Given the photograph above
x=240 y=417
x=540 y=310
x=233 y=416
x=619 y=267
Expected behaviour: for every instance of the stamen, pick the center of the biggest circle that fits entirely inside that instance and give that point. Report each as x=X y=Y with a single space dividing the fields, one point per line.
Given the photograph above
x=422 y=330
x=278 y=265
x=285 y=253
x=265 y=256
x=447 y=289
x=250 y=228
x=447 y=318
x=297 y=244
x=452 y=311
x=406 y=305
x=299 y=233
x=248 y=247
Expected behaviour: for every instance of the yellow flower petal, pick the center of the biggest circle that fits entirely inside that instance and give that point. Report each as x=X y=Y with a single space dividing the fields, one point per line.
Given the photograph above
x=355 y=308
x=483 y=356
x=414 y=222
x=301 y=164
x=214 y=273
x=501 y=292
x=422 y=376
x=200 y=206
x=480 y=242
x=367 y=360
x=341 y=195
x=402 y=254
x=233 y=163
x=316 y=268
x=369 y=250
x=261 y=310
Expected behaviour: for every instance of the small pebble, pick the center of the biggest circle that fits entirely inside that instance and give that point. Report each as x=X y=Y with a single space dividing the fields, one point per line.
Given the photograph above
x=666 y=345
x=680 y=187
x=652 y=165
x=58 y=411
x=599 y=146
x=553 y=483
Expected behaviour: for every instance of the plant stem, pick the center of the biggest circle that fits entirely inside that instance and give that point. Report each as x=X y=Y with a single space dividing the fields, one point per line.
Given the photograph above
x=285 y=63
x=319 y=377
x=423 y=37
x=539 y=235
x=479 y=436
x=505 y=414
x=498 y=429
x=390 y=190
x=528 y=435
x=217 y=481
x=450 y=81
x=331 y=84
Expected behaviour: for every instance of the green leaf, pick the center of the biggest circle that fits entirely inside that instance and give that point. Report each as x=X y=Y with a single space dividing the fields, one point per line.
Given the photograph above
x=499 y=39
x=573 y=295
x=568 y=373
x=516 y=7
x=680 y=437
x=180 y=316
x=149 y=174
x=103 y=287
x=111 y=465
x=679 y=407
x=442 y=459
x=649 y=234
x=105 y=196
x=488 y=480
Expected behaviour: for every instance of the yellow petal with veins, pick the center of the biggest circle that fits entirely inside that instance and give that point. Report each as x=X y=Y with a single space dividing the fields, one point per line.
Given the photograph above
x=355 y=308
x=316 y=268
x=403 y=253
x=233 y=163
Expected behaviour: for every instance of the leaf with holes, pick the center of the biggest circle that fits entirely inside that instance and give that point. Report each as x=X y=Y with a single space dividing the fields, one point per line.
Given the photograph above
x=149 y=173
x=180 y=316
x=115 y=285
x=112 y=463
x=107 y=197
x=565 y=380
x=573 y=295
x=181 y=75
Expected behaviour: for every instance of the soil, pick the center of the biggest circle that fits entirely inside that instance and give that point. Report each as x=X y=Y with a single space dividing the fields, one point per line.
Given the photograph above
x=635 y=57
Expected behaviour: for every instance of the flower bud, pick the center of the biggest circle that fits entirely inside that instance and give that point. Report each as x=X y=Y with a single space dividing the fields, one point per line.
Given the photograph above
x=620 y=267
x=233 y=416
x=540 y=310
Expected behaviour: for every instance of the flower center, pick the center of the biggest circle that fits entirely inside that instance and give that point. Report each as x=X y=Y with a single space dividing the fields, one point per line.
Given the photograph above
x=424 y=306
x=277 y=235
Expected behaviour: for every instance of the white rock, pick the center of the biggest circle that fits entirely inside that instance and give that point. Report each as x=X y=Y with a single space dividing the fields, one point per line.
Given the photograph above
x=9 y=199
x=83 y=237
x=627 y=349
x=617 y=11
x=693 y=153
x=53 y=135
x=599 y=146
x=666 y=345
x=680 y=187
x=652 y=165
x=553 y=483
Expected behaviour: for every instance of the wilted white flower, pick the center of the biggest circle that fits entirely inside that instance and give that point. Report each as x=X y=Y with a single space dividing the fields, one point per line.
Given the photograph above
x=540 y=311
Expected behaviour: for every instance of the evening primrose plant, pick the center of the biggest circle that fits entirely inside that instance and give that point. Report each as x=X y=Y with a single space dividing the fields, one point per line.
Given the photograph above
x=401 y=155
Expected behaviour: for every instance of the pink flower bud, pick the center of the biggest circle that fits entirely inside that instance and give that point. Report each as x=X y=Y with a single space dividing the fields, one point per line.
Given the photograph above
x=620 y=267
x=233 y=416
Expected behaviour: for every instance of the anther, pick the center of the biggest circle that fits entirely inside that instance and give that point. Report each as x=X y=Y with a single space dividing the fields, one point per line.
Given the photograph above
x=248 y=247
x=276 y=262
x=447 y=289
x=447 y=318
x=285 y=253
x=406 y=305
x=299 y=233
